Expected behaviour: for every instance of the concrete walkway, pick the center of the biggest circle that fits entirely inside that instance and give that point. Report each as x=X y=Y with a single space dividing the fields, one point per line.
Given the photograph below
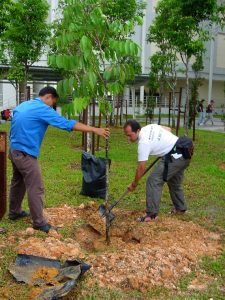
x=217 y=127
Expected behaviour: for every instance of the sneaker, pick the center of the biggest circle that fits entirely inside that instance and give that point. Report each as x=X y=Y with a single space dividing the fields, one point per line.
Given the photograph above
x=45 y=228
x=22 y=214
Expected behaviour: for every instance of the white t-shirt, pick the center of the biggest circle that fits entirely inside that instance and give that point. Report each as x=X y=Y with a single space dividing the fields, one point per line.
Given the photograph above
x=153 y=139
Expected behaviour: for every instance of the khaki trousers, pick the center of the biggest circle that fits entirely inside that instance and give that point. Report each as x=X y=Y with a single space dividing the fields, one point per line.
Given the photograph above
x=26 y=177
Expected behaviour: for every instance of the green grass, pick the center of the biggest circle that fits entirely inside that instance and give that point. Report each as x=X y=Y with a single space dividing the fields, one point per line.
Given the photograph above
x=204 y=187
x=215 y=267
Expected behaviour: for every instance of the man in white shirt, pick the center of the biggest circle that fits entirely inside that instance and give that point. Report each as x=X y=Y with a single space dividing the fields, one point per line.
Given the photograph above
x=158 y=140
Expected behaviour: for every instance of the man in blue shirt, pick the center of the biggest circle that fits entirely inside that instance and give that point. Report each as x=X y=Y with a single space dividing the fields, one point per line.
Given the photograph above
x=29 y=124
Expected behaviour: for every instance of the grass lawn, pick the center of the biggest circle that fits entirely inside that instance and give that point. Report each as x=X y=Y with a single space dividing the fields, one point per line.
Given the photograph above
x=204 y=187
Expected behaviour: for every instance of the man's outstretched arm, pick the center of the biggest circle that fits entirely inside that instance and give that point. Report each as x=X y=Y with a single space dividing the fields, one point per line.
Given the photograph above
x=86 y=128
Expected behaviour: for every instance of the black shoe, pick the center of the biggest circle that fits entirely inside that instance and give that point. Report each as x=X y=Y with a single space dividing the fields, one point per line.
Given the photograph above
x=20 y=215
x=45 y=227
x=175 y=211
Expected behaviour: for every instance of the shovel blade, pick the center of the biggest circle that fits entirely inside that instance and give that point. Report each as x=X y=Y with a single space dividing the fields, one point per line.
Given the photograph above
x=102 y=210
x=103 y=213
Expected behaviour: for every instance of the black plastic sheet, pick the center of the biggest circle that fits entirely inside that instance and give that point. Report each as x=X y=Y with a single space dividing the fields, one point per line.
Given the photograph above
x=26 y=269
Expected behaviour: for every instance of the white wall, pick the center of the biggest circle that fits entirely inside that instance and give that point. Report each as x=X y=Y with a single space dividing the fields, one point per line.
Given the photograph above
x=8 y=95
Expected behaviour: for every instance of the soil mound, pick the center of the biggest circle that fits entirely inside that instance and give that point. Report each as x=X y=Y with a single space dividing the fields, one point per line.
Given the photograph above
x=140 y=254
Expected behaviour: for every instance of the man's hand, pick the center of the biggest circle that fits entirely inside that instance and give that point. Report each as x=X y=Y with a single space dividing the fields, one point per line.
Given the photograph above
x=131 y=187
x=86 y=128
x=139 y=172
x=102 y=132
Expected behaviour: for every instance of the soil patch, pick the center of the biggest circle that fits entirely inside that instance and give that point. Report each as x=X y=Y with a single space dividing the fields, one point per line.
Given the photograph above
x=62 y=215
x=140 y=254
x=222 y=166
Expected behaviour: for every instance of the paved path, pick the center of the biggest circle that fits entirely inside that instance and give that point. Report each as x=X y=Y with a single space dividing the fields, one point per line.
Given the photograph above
x=217 y=127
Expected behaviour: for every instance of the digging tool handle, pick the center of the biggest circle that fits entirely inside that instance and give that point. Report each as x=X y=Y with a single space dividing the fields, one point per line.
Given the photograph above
x=118 y=200
x=127 y=191
x=151 y=165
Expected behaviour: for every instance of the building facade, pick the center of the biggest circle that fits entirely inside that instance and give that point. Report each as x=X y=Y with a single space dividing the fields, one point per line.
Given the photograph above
x=135 y=96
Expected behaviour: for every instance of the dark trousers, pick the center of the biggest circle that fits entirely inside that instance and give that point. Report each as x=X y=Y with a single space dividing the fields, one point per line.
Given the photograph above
x=26 y=177
x=155 y=184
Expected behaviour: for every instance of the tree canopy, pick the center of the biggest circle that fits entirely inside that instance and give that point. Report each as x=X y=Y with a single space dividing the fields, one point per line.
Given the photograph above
x=25 y=35
x=94 y=50
x=180 y=29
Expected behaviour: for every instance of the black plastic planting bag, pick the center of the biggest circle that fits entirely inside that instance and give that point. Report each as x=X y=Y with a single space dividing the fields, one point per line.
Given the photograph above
x=94 y=175
x=33 y=269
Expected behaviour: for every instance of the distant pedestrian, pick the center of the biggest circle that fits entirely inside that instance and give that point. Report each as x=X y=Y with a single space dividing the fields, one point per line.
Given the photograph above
x=210 y=112
x=201 y=113
x=29 y=124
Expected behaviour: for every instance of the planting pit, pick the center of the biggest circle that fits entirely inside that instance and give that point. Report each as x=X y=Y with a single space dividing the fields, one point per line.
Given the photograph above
x=140 y=255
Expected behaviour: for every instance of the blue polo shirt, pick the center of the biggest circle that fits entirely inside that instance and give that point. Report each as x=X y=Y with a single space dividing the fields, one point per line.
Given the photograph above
x=29 y=124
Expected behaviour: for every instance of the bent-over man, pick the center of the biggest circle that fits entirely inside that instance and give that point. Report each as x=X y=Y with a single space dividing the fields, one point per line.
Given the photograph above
x=158 y=140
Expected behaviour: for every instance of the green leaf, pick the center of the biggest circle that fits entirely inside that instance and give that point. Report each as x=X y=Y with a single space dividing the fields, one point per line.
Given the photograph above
x=52 y=60
x=92 y=80
x=85 y=44
x=127 y=48
x=139 y=20
x=105 y=107
x=107 y=74
x=60 y=88
x=114 y=88
x=59 y=61
x=79 y=104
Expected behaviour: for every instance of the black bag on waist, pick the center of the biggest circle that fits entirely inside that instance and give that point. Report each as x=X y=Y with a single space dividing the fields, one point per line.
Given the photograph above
x=185 y=146
x=94 y=175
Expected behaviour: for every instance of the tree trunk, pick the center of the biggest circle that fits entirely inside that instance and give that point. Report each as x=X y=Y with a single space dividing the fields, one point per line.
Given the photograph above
x=117 y=109
x=170 y=105
x=186 y=119
x=84 y=134
x=99 y=125
x=160 y=101
x=17 y=93
x=173 y=107
x=194 y=116
x=178 y=116
x=22 y=91
x=107 y=179
x=121 y=110
x=93 y=124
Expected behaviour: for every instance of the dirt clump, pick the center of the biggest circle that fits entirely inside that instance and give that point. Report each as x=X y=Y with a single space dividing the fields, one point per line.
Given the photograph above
x=46 y=275
x=34 y=292
x=61 y=216
x=50 y=248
